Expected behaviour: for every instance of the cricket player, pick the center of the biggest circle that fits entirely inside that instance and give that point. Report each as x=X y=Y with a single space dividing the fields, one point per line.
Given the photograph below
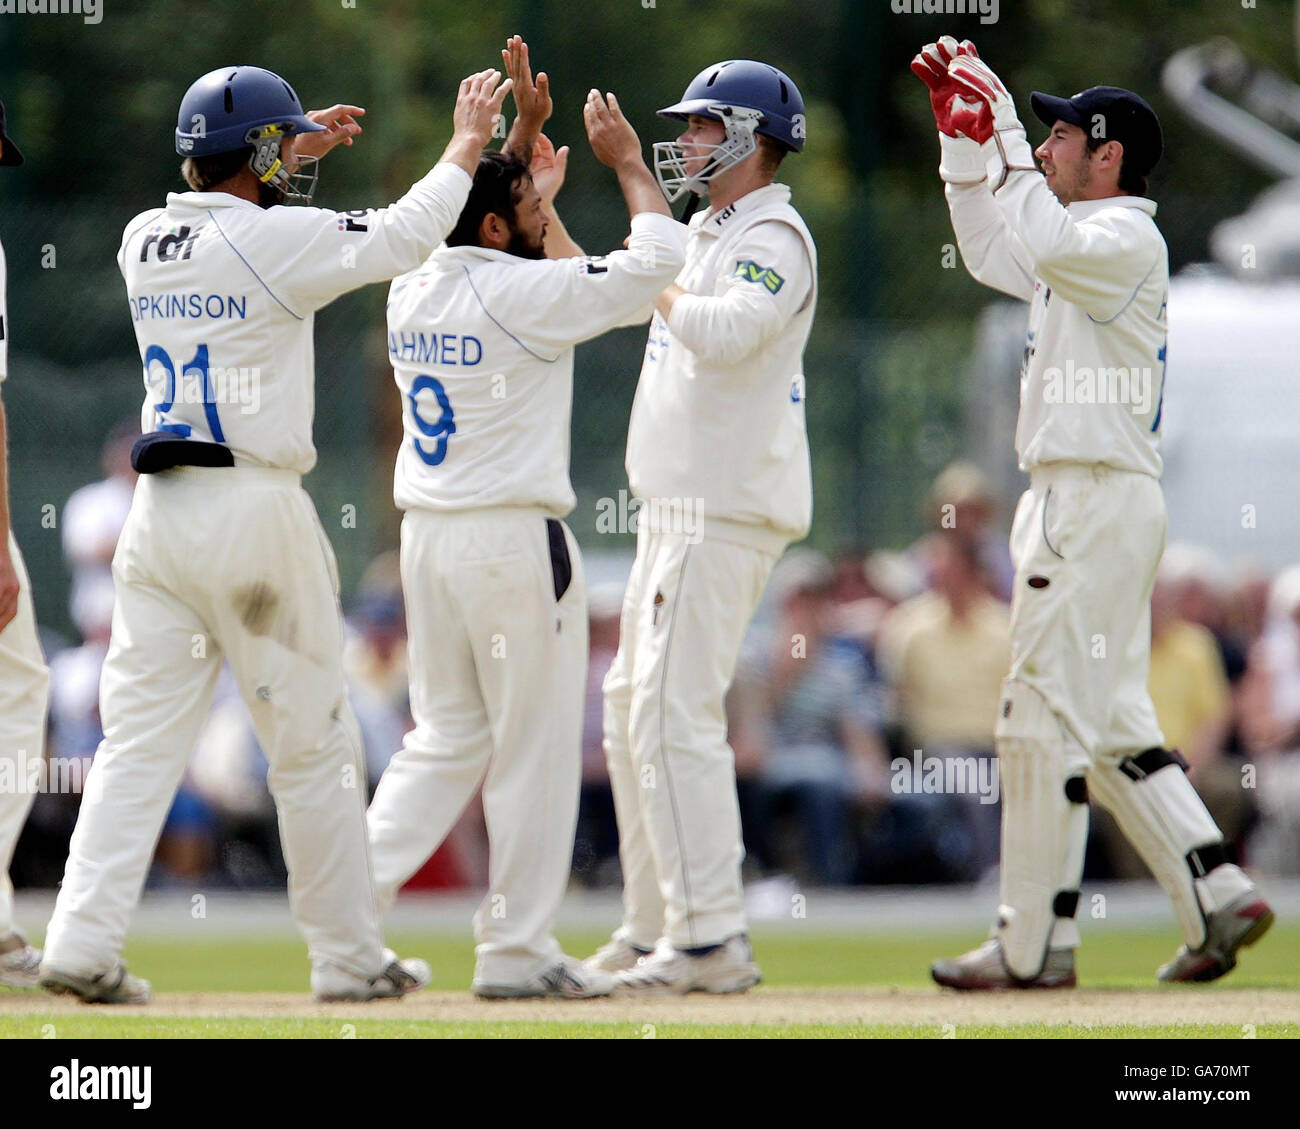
x=222 y=554
x=24 y=677
x=1078 y=242
x=717 y=453
x=481 y=338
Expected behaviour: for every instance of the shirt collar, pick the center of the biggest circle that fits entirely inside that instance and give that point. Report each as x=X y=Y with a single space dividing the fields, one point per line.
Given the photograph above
x=715 y=223
x=1082 y=209
x=202 y=201
x=468 y=254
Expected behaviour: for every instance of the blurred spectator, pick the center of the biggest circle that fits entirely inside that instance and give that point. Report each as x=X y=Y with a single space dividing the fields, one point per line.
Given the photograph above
x=595 y=848
x=92 y=522
x=962 y=501
x=1196 y=591
x=863 y=591
x=805 y=729
x=374 y=663
x=1270 y=723
x=944 y=654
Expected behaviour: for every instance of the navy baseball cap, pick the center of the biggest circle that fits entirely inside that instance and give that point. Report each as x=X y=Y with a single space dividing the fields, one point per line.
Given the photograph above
x=1124 y=116
x=11 y=154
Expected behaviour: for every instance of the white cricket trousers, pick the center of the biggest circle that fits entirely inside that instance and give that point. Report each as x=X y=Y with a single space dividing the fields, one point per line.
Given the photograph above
x=1086 y=541
x=685 y=613
x=24 y=694
x=212 y=563
x=496 y=612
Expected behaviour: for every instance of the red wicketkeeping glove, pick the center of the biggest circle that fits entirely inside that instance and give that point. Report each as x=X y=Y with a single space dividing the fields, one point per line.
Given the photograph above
x=931 y=66
x=970 y=117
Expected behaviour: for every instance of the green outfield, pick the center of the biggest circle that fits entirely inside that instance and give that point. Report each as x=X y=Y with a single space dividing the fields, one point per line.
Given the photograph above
x=816 y=986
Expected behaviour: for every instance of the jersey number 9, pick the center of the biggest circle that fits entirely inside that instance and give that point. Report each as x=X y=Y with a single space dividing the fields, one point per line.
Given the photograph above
x=441 y=429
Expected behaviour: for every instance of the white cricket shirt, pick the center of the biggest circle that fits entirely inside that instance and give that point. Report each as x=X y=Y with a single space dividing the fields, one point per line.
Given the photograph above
x=718 y=420
x=481 y=343
x=1096 y=275
x=223 y=293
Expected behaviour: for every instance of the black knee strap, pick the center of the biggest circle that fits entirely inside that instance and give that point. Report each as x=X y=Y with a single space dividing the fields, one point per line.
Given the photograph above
x=1151 y=761
x=1065 y=903
x=1202 y=860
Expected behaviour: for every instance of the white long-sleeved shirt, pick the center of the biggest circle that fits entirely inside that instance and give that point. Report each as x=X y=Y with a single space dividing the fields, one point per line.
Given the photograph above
x=718 y=419
x=223 y=295
x=481 y=343
x=1096 y=274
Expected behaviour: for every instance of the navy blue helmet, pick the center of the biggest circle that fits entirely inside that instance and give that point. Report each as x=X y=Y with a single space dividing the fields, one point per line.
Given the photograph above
x=234 y=107
x=748 y=98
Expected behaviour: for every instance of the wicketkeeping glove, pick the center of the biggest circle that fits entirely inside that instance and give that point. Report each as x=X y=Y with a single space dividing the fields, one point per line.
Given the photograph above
x=977 y=83
x=931 y=67
x=958 y=120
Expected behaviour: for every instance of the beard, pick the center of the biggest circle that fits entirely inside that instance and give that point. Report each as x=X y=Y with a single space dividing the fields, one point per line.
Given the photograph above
x=524 y=248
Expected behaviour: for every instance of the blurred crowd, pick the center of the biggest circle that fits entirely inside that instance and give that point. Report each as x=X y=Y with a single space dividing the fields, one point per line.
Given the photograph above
x=861 y=715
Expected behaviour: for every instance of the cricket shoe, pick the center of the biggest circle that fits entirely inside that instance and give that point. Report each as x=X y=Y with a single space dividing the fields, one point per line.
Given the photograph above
x=21 y=967
x=1243 y=921
x=567 y=979
x=116 y=986
x=616 y=955
x=332 y=984
x=668 y=971
x=985 y=970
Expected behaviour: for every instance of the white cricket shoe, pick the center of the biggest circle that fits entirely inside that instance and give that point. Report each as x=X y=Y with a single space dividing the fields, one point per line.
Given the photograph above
x=567 y=979
x=21 y=968
x=615 y=955
x=671 y=972
x=116 y=986
x=331 y=984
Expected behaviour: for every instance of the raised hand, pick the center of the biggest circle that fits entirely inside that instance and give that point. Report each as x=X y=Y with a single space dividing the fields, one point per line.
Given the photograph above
x=478 y=106
x=931 y=66
x=979 y=87
x=532 y=99
x=548 y=167
x=977 y=82
x=612 y=137
x=341 y=127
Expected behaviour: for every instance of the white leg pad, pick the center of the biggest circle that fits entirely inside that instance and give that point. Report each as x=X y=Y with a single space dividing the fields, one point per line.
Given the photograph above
x=1165 y=819
x=1044 y=829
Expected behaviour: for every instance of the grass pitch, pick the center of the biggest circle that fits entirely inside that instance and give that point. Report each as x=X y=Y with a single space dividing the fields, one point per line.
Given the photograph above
x=816 y=985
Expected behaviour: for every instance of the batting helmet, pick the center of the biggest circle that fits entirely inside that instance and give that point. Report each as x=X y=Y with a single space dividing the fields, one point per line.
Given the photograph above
x=234 y=107
x=748 y=98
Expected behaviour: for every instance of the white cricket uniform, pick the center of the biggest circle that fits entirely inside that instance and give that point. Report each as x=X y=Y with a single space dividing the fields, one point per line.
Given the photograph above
x=1087 y=536
x=481 y=344
x=233 y=562
x=24 y=690
x=717 y=452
